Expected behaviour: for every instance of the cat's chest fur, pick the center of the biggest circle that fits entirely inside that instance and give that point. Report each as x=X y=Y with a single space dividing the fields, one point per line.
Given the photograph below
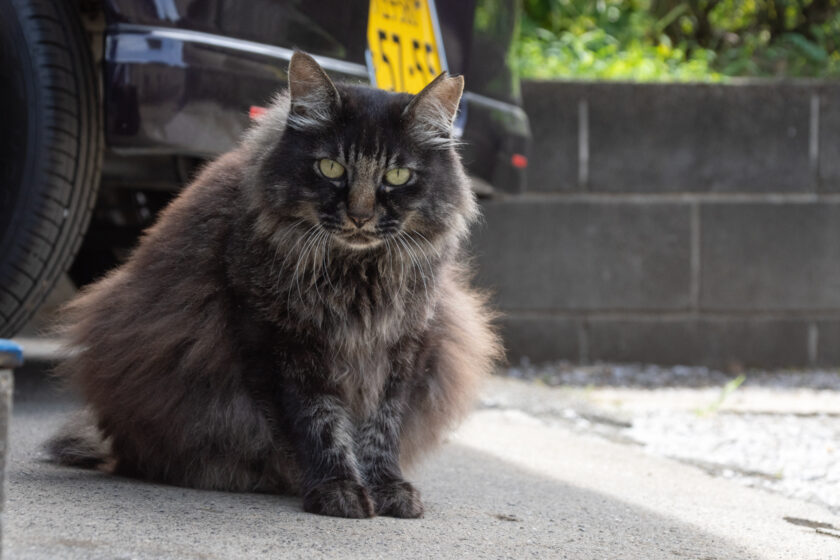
x=357 y=320
x=364 y=327
x=360 y=376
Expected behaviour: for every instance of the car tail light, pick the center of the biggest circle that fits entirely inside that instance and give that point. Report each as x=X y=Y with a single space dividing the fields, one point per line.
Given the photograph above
x=256 y=112
x=519 y=161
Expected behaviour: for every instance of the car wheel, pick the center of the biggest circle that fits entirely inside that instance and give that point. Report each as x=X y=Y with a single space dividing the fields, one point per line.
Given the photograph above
x=50 y=150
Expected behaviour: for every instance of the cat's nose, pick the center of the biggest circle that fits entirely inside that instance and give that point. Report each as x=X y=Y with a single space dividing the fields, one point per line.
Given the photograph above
x=360 y=220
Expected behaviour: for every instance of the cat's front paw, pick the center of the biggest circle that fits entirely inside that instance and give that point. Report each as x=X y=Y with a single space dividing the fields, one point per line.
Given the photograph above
x=339 y=498
x=397 y=499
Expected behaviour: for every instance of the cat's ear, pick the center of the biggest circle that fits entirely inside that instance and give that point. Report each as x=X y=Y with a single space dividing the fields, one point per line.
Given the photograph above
x=432 y=111
x=314 y=99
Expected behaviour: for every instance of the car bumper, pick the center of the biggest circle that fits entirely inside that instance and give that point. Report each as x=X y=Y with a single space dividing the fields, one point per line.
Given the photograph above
x=182 y=92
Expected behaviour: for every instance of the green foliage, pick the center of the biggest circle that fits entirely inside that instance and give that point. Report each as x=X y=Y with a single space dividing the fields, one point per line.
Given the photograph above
x=674 y=40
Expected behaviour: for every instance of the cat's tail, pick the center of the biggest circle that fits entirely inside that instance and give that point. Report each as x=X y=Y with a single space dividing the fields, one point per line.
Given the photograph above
x=78 y=443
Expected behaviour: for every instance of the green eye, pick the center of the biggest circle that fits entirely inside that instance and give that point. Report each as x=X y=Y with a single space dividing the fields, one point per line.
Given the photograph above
x=398 y=176
x=330 y=168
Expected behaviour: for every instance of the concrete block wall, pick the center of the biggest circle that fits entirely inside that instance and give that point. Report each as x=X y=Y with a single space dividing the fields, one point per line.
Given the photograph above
x=671 y=223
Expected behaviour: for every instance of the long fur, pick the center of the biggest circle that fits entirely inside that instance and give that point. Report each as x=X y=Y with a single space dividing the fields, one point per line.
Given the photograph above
x=243 y=348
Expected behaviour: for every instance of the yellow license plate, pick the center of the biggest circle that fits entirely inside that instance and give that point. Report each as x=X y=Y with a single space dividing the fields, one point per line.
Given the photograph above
x=404 y=48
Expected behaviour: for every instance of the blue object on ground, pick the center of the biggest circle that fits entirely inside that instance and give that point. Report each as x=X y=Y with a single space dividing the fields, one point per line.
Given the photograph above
x=11 y=355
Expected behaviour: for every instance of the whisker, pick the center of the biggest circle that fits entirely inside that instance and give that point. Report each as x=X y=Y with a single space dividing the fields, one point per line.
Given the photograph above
x=417 y=266
x=316 y=247
x=327 y=241
x=308 y=236
x=429 y=295
x=391 y=270
x=286 y=258
x=279 y=243
x=431 y=246
x=420 y=250
x=294 y=246
x=402 y=262
x=310 y=258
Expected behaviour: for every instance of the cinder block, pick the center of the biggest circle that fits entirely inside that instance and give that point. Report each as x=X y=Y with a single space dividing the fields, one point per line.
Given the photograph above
x=717 y=342
x=549 y=254
x=540 y=339
x=765 y=256
x=552 y=109
x=703 y=138
x=829 y=137
x=828 y=343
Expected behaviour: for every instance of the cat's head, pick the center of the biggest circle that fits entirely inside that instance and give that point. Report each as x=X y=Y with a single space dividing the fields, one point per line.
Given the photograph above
x=364 y=164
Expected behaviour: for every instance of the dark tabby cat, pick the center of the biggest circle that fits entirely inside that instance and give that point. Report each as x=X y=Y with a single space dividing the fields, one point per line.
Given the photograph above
x=299 y=319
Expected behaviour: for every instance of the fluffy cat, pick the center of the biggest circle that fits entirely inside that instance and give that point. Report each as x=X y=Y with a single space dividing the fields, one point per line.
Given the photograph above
x=299 y=319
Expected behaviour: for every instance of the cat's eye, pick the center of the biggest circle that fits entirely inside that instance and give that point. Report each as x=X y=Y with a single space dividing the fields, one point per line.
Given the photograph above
x=330 y=168
x=397 y=176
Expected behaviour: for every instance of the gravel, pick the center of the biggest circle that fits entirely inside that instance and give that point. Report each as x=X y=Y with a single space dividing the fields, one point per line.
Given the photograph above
x=776 y=430
x=657 y=377
x=794 y=455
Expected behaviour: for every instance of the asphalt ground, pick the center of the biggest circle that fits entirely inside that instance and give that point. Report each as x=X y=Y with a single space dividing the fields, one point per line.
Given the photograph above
x=510 y=483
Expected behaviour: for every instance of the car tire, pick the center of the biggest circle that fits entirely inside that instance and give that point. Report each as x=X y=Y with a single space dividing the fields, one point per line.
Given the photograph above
x=50 y=150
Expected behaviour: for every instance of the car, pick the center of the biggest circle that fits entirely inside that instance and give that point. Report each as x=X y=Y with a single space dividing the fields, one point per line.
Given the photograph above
x=113 y=104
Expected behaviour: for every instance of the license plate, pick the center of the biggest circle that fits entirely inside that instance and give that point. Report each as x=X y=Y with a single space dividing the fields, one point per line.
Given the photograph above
x=405 y=51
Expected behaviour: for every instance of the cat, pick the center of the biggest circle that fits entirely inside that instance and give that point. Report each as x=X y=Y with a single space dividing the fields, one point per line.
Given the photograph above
x=299 y=319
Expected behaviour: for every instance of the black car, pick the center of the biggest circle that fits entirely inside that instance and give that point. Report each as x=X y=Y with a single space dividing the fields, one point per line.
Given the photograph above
x=109 y=105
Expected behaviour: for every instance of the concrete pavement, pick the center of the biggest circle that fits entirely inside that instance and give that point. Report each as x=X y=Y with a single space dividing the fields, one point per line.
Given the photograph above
x=506 y=485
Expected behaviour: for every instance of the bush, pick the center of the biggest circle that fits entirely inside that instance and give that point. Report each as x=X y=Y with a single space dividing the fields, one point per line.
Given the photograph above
x=670 y=40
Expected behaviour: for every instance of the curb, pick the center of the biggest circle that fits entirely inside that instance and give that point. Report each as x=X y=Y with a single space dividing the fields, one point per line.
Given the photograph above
x=11 y=356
